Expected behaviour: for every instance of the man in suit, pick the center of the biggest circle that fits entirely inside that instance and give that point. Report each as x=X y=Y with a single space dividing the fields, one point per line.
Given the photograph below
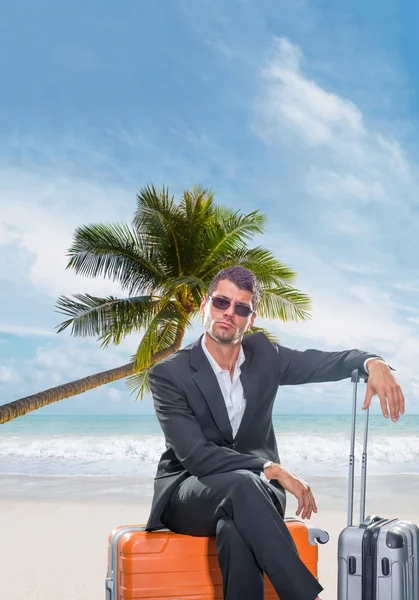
x=220 y=473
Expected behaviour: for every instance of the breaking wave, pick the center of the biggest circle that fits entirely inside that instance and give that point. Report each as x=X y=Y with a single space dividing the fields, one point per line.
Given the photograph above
x=316 y=455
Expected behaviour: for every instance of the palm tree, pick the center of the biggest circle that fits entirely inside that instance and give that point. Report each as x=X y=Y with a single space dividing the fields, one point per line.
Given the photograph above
x=164 y=263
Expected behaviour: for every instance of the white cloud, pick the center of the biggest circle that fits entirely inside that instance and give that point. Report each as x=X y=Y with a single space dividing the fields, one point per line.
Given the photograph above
x=413 y=309
x=54 y=363
x=348 y=161
x=320 y=117
x=39 y=214
x=408 y=286
x=7 y=374
x=23 y=330
x=363 y=269
x=344 y=220
x=345 y=314
x=338 y=187
x=116 y=396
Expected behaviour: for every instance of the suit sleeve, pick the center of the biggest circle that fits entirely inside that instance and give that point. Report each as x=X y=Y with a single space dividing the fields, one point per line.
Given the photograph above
x=295 y=367
x=184 y=435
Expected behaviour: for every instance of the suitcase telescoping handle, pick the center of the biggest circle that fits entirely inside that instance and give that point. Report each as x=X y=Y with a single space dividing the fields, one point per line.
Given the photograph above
x=356 y=377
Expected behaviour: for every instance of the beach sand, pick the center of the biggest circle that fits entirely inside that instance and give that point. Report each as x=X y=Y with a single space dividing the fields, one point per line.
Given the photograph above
x=54 y=531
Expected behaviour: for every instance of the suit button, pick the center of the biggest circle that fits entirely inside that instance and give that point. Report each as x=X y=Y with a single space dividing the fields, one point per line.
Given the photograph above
x=234 y=444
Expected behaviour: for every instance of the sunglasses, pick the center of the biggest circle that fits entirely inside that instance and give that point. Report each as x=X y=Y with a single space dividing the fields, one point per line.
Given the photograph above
x=242 y=310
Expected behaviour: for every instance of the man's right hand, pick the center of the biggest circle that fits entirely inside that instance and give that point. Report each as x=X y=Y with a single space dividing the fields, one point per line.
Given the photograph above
x=295 y=486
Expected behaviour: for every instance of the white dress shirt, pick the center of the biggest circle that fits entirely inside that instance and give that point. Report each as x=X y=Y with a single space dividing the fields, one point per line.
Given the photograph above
x=232 y=389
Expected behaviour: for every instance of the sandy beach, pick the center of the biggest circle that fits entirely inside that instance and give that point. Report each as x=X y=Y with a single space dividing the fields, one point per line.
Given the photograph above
x=54 y=531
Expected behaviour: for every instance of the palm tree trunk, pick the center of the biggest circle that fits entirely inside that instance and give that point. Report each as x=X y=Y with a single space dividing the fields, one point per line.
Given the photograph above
x=21 y=407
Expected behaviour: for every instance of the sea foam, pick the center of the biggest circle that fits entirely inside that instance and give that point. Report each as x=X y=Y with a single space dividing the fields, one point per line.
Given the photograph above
x=315 y=455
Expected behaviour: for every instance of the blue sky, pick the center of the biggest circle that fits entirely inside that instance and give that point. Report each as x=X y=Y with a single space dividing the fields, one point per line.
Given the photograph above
x=308 y=111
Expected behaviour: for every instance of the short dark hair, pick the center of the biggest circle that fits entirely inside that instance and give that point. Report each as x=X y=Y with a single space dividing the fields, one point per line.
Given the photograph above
x=242 y=278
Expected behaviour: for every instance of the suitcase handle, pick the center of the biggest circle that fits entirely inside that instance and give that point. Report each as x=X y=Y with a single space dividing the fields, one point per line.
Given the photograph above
x=356 y=377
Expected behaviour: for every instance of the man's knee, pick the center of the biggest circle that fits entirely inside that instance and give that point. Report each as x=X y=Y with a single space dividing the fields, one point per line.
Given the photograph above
x=235 y=485
x=242 y=483
x=240 y=495
x=242 y=477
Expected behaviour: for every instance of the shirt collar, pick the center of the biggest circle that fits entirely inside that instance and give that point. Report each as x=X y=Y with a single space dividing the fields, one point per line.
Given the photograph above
x=216 y=367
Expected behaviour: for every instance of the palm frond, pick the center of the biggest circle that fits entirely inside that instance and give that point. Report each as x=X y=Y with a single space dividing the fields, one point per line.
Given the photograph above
x=116 y=252
x=285 y=303
x=111 y=319
x=268 y=334
x=197 y=207
x=189 y=282
x=161 y=217
x=160 y=337
x=198 y=217
x=262 y=262
x=139 y=383
x=230 y=231
x=160 y=332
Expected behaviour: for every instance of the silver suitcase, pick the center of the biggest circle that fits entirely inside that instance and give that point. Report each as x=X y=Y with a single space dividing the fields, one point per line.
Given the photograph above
x=379 y=558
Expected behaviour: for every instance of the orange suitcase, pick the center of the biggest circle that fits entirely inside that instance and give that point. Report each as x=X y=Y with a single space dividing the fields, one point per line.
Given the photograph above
x=162 y=565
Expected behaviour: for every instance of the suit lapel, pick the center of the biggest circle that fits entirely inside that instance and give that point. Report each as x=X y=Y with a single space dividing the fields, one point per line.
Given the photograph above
x=206 y=381
x=250 y=382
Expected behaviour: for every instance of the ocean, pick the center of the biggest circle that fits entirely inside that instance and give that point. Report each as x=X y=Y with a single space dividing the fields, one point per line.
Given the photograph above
x=130 y=446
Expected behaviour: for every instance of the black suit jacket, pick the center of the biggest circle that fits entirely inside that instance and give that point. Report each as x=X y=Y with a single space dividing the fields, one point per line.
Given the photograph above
x=192 y=413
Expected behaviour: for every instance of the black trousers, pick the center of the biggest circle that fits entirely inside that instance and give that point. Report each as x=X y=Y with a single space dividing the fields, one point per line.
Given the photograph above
x=251 y=536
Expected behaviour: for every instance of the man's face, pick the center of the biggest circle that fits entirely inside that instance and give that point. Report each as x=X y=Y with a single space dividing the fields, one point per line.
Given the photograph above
x=224 y=325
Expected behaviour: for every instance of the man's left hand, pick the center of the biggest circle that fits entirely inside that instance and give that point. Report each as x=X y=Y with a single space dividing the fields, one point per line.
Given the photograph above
x=382 y=383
